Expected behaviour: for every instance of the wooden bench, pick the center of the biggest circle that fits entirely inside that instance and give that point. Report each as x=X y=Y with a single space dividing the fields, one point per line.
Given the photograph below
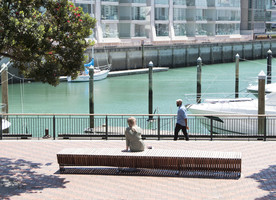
x=22 y=136
x=181 y=160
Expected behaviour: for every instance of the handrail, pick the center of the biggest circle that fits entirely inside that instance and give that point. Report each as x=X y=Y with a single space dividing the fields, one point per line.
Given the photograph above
x=154 y=115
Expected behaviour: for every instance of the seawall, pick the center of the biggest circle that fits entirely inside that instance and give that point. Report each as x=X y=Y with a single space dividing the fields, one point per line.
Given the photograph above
x=181 y=55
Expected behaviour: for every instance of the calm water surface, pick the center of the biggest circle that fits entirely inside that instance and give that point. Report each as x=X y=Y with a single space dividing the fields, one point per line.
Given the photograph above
x=129 y=94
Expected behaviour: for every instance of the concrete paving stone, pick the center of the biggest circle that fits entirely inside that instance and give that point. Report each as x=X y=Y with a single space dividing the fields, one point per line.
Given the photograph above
x=34 y=163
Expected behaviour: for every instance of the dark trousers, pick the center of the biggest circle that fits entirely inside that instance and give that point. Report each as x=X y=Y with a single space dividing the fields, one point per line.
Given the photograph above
x=179 y=127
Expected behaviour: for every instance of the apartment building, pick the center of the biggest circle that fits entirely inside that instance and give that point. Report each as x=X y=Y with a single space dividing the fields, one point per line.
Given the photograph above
x=128 y=22
x=261 y=16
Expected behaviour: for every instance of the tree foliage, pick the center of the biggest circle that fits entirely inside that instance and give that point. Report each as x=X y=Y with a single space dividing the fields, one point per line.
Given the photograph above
x=45 y=39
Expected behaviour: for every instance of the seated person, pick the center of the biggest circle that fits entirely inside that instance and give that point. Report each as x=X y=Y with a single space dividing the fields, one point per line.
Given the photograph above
x=133 y=136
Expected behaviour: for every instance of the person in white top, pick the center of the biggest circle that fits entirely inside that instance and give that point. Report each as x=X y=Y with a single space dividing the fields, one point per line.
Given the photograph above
x=182 y=122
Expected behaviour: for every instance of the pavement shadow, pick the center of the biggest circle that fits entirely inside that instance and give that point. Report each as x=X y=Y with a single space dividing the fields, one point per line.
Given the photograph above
x=266 y=179
x=19 y=176
x=150 y=172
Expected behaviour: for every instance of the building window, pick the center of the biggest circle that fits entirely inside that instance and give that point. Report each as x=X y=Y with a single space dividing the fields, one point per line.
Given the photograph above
x=179 y=2
x=139 y=13
x=161 y=13
x=140 y=30
x=166 y=2
x=227 y=29
x=110 y=30
x=228 y=15
x=179 y=14
x=162 y=29
x=179 y=29
x=85 y=7
x=109 y=12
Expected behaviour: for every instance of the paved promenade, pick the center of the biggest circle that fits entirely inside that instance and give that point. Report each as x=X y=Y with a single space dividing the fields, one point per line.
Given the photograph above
x=29 y=170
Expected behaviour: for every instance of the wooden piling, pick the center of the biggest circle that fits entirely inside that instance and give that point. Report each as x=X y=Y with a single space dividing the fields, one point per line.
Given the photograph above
x=261 y=103
x=143 y=53
x=237 y=76
x=198 y=87
x=4 y=82
x=91 y=96
x=269 y=60
x=150 y=89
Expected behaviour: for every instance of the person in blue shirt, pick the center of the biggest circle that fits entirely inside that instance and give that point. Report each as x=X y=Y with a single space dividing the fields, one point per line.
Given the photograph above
x=181 y=123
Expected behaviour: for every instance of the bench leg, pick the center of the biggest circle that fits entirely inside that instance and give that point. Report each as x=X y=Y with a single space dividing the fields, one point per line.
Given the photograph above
x=61 y=169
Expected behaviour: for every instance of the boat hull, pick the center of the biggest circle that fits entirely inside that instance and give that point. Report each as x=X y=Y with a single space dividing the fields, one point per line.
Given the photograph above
x=85 y=78
x=216 y=118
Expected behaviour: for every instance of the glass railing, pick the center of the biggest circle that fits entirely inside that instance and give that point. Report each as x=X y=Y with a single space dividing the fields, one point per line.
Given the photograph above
x=111 y=0
x=166 y=2
x=179 y=2
x=133 y=1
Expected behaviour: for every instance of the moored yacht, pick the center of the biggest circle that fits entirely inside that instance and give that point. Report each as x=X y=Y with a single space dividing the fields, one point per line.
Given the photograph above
x=228 y=116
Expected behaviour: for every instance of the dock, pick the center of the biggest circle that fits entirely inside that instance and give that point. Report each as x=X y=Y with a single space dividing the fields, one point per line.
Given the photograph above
x=136 y=71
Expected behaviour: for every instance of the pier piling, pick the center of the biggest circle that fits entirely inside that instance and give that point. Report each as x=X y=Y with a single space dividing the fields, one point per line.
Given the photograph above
x=237 y=76
x=198 y=87
x=4 y=83
x=269 y=61
x=91 y=96
x=150 y=89
x=261 y=103
x=143 y=53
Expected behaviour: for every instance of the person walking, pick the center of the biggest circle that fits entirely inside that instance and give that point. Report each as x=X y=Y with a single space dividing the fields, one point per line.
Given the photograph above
x=181 y=123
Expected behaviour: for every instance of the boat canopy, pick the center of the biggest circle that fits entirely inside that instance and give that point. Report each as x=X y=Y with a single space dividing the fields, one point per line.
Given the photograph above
x=88 y=65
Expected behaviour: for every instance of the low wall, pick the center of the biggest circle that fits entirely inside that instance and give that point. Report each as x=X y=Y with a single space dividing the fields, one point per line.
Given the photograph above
x=181 y=55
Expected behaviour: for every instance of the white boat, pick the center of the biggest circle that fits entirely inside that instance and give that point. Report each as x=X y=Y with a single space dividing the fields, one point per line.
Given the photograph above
x=98 y=75
x=269 y=88
x=5 y=124
x=222 y=124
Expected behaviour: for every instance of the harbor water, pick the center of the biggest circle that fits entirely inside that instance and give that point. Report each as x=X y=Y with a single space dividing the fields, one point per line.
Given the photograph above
x=129 y=94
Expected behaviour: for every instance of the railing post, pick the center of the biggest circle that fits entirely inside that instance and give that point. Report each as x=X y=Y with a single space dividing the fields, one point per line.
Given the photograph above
x=1 y=131
x=158 y=127
x=265 y=129
x=106 y=127
x=54 y=127
x=211 y=129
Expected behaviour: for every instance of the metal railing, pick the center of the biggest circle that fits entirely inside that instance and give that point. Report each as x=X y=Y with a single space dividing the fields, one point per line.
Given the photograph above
x=112 y=126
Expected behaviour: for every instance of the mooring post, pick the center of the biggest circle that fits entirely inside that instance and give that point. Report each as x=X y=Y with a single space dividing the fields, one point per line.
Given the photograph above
x=269 y=60
x=237 y=76
x=261 y=103
x=4 y=83
x=91 y=96
x=143 y=53
x=198 y=87
x=150 y=90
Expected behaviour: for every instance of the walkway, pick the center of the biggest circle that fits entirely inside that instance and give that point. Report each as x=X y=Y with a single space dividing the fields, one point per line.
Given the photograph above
x=29 y=170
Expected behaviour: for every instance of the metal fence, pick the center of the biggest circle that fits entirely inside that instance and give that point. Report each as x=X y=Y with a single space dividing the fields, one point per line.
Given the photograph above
x=78 y=126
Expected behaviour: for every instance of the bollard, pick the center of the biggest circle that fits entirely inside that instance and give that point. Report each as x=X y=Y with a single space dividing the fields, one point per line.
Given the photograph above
x=91 y=96
x=143 y=54
x=150 y=90
x=237 y=76
x=261 y=103
x=269 y=61
x=198 y=87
